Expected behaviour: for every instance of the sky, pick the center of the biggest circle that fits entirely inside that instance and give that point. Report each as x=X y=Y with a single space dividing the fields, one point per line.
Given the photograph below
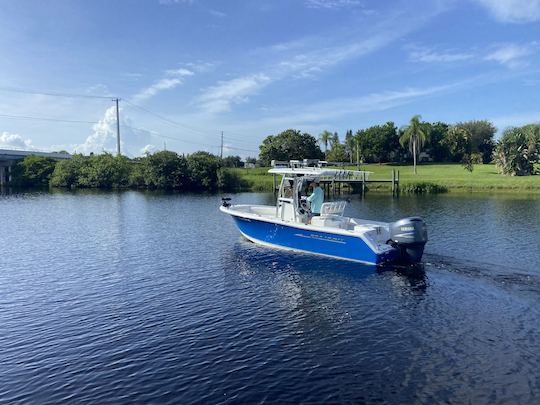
x=186 y=70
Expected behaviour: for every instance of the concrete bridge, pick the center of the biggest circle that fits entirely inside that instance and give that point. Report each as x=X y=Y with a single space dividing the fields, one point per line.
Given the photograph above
x=9 y=157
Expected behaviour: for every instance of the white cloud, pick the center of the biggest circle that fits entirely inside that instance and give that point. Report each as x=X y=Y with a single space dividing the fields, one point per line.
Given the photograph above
x=103 y=138
x=132 y=75
x=513 y=11
x=148 y=149
x=169 y=2
x=380 y=101
x=181 y=72
x=220 y=97
x=173 y=78
x=200 y=66
x=515 y=120
x=333 y=4
x=14 y=141
x=217 y=13
x=426 y=55
x=314 y=61
x=511 y=55
x=310 y=56
x=104 y=135
x=314 y=117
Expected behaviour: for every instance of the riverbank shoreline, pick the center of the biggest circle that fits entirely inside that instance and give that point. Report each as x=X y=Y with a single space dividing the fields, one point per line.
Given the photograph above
x=450 y=177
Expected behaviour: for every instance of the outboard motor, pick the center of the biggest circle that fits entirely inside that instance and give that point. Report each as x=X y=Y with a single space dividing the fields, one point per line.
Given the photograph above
x=409 y=235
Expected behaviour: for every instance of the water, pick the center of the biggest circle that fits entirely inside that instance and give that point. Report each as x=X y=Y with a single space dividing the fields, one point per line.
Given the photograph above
x=154 y=298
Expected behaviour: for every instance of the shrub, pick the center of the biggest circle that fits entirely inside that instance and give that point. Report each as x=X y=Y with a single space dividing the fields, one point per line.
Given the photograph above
x=203 y=171
x=518 y=151
x=231 y=181
x=165 y=170
x=423 y=188
x=67 y=172
x=33 y=171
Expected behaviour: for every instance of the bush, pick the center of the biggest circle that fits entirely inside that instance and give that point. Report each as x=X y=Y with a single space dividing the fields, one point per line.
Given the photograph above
x=518 y=151
x=67 y=172
x=164 y=170
x=200 y=171
x=231 y=181
x=203 y=171
x=105 y=171
x=423 y=188
x=33 y=171
x=94 y=171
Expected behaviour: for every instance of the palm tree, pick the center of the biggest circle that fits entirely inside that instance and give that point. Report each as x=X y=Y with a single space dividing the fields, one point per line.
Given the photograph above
x=334 y=140
x=324 y=138
x=415 y=134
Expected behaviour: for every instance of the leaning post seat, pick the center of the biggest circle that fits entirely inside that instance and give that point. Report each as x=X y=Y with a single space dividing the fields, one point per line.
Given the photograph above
x=336 y=208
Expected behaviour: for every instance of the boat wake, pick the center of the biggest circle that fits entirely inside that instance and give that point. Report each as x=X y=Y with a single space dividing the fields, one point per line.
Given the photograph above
x=508 y=277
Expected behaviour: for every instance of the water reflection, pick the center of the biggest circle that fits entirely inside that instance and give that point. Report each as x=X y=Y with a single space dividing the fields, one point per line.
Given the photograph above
x=156 y=295
x=317 y=292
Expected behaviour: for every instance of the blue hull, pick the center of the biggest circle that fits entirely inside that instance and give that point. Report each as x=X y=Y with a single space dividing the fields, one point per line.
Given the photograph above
x=323 y=243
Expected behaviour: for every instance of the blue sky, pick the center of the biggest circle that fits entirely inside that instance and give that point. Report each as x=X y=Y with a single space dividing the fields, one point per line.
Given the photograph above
x=188 y=69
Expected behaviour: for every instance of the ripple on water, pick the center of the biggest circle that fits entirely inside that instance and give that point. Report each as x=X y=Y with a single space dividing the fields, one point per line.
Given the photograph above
x=127 y=298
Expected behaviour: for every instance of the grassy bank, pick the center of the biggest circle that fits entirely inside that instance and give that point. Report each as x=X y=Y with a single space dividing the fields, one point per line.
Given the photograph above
x=451 y=176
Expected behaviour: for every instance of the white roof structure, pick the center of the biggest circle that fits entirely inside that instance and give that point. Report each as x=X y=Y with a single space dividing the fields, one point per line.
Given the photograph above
x=324 y=173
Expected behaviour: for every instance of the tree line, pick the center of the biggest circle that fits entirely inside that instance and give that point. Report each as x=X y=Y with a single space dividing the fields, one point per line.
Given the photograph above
x=517 y=152
x=468 y=143
x=200 y=171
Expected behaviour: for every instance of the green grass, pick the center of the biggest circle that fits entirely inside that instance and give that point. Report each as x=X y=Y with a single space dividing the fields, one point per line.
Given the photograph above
x=257 y=179
x=451 y=176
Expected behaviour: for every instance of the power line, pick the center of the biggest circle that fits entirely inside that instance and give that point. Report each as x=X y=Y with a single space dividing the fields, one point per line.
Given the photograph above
x=186 y=141
x=26 y=117
x=235 y=139
x=152 y=133
x=177 y=124
x=241 y=149
x=90 y=96
x=51 y=94
x=165 y=119
x=161 y=117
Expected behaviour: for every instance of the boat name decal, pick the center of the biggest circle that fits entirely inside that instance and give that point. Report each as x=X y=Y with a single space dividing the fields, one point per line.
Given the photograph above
x=321 y=237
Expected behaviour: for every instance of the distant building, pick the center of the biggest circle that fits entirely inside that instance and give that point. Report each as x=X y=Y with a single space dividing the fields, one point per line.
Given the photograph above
x=9 y=157
x=424 y=157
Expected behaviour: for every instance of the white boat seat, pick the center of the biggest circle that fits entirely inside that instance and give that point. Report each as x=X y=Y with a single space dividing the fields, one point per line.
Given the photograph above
x=329 y=222
x=336 y=208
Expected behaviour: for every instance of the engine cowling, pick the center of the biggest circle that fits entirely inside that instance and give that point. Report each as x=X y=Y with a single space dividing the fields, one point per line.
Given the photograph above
x=410 y=236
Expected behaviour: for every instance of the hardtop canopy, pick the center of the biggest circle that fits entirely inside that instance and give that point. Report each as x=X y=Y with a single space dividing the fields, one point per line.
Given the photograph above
x=314 y=172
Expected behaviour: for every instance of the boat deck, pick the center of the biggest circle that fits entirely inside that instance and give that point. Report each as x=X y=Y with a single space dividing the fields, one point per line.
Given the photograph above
x=377 y=230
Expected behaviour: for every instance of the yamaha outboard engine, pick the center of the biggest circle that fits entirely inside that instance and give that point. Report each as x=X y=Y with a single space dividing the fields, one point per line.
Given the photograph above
x=409 y=235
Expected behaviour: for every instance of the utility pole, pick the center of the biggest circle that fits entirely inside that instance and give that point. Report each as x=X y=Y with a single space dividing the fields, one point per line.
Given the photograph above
x=117 y=127
x=221 y=152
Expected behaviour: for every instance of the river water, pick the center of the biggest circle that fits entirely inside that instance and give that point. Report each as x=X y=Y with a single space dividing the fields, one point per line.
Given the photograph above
x=155 y=298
